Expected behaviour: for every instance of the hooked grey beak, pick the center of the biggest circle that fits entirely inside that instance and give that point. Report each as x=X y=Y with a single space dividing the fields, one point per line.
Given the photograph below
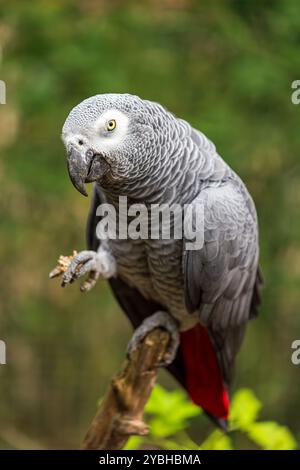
x=77 y=169
x=85 y=168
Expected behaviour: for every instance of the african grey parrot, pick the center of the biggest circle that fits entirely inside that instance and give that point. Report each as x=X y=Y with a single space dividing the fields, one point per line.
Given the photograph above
x=136 y=148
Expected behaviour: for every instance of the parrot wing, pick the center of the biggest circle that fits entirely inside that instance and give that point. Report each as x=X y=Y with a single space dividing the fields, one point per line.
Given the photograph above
x=222 y=279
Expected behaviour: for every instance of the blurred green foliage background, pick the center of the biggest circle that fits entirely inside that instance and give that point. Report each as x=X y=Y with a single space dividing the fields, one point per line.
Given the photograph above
x=225 y=66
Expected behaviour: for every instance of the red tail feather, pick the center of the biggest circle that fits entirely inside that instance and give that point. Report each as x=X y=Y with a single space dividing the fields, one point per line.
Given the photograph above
x=203 y=375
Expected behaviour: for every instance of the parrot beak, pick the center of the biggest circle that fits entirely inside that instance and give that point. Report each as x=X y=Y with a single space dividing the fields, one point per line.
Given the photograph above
x=77 y=169
x=85 y=168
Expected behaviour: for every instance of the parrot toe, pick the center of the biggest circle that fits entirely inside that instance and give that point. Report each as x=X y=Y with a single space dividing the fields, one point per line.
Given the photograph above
x=80 y=265
x=158 y=320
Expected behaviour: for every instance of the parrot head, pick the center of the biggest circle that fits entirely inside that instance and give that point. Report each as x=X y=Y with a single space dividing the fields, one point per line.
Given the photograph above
x=114 y=138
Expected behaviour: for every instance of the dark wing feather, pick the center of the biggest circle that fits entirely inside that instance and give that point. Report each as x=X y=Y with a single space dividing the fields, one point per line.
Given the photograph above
x=222 y=279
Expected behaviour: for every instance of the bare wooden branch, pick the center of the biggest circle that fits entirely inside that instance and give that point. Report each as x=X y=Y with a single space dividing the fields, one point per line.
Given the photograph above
x=121 y=413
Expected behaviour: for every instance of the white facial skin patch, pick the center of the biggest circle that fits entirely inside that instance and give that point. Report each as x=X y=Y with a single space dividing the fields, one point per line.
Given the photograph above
x=110 y=129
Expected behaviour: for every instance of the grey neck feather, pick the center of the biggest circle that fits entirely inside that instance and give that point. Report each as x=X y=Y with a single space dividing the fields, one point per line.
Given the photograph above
x=184 y=162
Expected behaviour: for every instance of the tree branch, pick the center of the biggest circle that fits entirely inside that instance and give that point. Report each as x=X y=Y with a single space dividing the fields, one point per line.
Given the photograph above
x=121 y=413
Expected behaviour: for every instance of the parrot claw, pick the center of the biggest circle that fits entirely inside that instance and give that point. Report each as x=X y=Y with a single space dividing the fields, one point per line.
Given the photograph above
x=83 y=263
x=90 y=282
x=158 y=320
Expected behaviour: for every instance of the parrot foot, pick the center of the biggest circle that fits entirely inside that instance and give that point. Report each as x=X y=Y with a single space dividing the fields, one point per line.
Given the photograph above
x=158 y=320
x=94 y=263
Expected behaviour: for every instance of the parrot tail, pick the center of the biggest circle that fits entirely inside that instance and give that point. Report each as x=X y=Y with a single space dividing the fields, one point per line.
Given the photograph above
x=203 y=378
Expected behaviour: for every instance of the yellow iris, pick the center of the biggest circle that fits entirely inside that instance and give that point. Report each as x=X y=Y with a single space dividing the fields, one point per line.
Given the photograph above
x=111 y=125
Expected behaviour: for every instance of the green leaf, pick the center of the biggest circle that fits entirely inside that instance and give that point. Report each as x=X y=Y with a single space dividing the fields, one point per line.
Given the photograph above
x=272 y=436
x=164 y=428
x=162 y=402
x=170 y=412
x=217 y=440
x=244 y=409
x=134 y=443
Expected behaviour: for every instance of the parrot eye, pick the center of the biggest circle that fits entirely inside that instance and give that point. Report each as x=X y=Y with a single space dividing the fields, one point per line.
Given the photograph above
x=111 y=125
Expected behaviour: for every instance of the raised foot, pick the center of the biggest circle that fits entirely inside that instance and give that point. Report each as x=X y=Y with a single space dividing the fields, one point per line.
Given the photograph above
x=94 y=263
x=83 y=263
x=157 y=320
